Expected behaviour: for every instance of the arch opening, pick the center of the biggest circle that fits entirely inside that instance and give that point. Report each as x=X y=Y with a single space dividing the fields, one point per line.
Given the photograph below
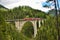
x=28 y=29
x=37 y=24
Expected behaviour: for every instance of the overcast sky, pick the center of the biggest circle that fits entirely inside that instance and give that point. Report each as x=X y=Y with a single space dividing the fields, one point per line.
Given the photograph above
x=36 y=4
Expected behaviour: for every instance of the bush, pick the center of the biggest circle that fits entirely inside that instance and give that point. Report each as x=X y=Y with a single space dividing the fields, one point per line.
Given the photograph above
x=48 y=31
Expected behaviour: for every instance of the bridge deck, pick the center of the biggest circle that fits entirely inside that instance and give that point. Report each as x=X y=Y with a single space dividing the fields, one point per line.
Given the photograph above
x=25 y=19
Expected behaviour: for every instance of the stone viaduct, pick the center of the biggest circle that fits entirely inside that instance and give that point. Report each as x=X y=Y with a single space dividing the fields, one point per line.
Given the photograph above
x=20 y=22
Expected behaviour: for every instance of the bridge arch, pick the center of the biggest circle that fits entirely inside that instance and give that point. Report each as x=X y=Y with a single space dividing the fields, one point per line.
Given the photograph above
x=28 y=29
x=20 y=22
x=19 y=25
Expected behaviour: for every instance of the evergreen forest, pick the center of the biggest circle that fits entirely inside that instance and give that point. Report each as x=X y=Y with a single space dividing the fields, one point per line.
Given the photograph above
x=47 y=31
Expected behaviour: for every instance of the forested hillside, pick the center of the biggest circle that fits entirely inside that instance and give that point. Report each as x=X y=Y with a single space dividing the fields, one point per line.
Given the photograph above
x=48 y=31
x=22 y=12
x=2 y=8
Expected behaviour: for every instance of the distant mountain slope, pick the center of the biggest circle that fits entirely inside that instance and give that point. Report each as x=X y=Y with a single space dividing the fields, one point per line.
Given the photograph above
x=22 y=12
x=52 y=12
x=3 y=8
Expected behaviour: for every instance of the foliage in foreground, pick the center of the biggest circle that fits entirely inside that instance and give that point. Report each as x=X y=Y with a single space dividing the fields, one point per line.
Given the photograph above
x=48 y=31
x=9 y=32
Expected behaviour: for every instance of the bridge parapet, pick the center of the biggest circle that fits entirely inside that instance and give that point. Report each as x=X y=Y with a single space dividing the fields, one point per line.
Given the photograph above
x=25 y=19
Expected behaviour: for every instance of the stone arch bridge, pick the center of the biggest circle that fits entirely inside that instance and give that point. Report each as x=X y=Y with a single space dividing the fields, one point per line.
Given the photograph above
x=20 y=22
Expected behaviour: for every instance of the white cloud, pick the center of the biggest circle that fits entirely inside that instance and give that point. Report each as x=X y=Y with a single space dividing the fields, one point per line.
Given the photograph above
x=6 y=2
x=36 y=4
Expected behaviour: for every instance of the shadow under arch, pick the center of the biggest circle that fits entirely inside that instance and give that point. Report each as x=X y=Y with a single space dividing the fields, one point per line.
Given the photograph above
x=28 y=29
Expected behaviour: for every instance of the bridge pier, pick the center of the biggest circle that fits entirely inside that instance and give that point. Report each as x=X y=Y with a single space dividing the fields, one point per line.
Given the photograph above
x=39 y=23
x=35 y=28
x=19 y=25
